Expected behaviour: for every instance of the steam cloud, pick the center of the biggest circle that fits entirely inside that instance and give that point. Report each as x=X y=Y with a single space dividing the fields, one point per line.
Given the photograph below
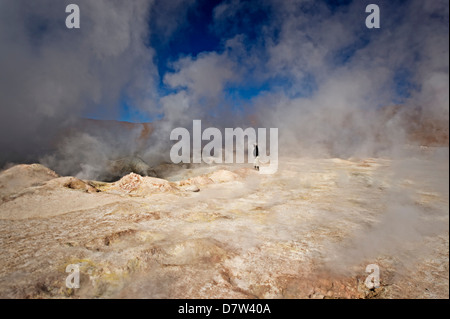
x=51 y=75
x=334 y=84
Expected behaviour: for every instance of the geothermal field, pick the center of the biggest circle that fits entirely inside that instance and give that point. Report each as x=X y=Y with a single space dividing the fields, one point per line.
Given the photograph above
x=226 y=231
x=131 y=132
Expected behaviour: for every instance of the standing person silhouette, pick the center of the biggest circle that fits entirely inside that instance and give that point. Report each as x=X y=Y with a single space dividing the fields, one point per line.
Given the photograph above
x=256 y=155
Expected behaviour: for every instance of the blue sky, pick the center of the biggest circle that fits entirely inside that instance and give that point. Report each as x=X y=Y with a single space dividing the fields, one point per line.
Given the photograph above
x=198 y=34
x=255 y=23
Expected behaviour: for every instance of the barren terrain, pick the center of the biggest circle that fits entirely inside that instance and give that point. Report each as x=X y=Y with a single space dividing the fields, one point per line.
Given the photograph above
x=225 y=231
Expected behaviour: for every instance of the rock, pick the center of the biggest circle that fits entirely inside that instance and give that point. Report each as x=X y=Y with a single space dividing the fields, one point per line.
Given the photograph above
x=75 y=183
x=129 y=182
x=136 y=184
x=223 y=176
x=128 y=165
x=153 y=184
x=20 y=177
x=192 y=188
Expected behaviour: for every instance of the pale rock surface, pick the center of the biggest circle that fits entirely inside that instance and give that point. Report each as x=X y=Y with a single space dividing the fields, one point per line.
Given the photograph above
x=308 y=231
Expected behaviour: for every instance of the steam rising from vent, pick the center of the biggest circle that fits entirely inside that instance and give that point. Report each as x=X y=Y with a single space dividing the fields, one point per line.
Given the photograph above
x=331 y=86
x=51 y=75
